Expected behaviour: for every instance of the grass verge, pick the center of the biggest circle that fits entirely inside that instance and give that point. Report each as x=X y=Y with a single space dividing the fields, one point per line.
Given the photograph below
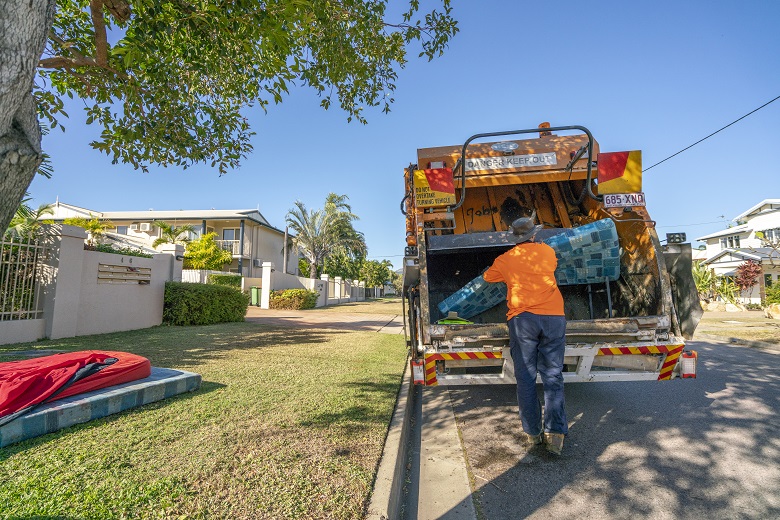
x=751 y=325
x=287 y=424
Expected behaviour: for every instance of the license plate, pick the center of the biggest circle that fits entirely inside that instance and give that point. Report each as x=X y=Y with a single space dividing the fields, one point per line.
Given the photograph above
x=623 y=200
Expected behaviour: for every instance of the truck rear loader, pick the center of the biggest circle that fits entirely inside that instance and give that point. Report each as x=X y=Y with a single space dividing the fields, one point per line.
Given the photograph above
x=630 y=302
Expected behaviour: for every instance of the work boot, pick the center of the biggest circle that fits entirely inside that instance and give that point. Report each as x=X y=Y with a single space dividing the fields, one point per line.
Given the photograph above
x=554 y=442
x=536 y=439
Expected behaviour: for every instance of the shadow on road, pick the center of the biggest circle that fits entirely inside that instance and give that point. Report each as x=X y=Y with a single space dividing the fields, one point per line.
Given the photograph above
x=681 y=449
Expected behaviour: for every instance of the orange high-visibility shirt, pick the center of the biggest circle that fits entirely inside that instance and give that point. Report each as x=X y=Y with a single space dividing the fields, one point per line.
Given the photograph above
x=528 y=269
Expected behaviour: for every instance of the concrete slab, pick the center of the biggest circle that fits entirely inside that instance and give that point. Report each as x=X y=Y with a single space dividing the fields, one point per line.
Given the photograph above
x=48 y=418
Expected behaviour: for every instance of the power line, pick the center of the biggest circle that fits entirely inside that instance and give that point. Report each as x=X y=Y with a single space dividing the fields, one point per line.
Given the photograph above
x=697 y=224
x=713 y=133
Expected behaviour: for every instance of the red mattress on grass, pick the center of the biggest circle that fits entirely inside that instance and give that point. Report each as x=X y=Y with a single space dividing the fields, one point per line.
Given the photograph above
x=28 y=383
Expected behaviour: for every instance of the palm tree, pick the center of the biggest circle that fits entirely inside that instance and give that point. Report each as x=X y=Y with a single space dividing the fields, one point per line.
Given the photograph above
x=93 y=225
x=313 y=234
x=170 y=234
x=27 y=221
x=351 y=242
x=320 y=233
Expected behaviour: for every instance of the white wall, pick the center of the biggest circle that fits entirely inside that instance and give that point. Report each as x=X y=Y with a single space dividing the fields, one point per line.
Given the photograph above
x=76 y=304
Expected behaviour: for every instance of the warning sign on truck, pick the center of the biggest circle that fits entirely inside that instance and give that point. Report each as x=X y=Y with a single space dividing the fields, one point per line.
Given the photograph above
x=434 y=187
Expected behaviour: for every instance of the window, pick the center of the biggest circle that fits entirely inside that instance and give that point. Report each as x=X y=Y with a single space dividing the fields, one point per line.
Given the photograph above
x=731 y=242
x=768 y=280
x=230 y=234
x=121 y=230
x=771 y=236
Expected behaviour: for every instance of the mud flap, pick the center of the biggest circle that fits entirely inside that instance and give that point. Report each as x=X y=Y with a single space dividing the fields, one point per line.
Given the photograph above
x=679 y=265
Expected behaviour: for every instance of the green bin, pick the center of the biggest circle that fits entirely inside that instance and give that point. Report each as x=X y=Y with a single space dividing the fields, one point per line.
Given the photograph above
x=255 y=291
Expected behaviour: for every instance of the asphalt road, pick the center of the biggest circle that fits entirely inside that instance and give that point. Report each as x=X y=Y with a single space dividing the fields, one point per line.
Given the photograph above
x=703 y=448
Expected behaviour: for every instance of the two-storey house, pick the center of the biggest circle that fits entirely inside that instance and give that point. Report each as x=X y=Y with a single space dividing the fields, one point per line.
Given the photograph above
x=246 y=233
x=756 y=237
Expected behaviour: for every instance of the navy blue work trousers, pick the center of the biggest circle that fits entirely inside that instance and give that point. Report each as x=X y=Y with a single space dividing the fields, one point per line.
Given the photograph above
x=537 y=343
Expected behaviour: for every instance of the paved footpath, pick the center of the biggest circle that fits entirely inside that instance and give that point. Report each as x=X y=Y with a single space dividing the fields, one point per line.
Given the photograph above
x=328 y=319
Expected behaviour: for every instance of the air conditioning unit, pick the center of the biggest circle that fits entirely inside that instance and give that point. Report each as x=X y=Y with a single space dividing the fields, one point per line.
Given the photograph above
x=133 y=227
x=145 y=226
x=257 y=262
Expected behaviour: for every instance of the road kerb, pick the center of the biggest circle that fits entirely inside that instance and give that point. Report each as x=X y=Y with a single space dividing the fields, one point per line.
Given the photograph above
x=763 y=345
x=387 y=495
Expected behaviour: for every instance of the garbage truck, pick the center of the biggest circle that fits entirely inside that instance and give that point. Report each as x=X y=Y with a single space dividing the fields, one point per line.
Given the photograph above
x=630 y=302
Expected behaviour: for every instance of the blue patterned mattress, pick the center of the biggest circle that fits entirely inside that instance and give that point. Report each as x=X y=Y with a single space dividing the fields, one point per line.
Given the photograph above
x=586 y=254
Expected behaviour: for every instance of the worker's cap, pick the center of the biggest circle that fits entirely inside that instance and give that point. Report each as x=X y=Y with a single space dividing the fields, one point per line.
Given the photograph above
x=523 y=230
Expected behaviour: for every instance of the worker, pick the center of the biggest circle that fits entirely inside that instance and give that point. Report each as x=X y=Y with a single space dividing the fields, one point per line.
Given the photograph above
x=537 y=328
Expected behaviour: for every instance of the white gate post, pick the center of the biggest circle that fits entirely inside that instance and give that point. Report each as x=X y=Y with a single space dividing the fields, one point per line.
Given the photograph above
x=325 y=278
x=61 y=306
x=339 y=291
x=265 y=296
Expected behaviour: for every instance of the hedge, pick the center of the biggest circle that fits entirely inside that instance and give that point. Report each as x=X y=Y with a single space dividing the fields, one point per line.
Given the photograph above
x=229 y=280
x=202 y=304
x=293 y=299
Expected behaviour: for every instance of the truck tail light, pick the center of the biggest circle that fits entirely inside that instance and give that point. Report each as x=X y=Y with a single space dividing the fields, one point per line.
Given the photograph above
x=688 y=364
x=418 y=372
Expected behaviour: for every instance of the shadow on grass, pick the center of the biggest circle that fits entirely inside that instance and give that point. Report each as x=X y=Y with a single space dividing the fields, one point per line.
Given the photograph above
x=371 y=410
x=176 y=347
x=20 y=447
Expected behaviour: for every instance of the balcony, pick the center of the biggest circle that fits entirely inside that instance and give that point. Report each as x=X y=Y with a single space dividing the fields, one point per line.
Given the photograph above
x=234 y=246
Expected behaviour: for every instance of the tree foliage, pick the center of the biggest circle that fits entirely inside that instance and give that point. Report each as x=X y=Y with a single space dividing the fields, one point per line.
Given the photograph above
x=705 y=280
x=168 y=80
x=376 y=273
x=205 y=253
x=96 y=227
x=772 y=294
x=747 y=274
x=340 y=264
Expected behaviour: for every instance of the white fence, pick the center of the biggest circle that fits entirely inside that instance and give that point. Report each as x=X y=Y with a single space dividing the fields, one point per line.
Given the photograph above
x=199 y=275
x=22 y=261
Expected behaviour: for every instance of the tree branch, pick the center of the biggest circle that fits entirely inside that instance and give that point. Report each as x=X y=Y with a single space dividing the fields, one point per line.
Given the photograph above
x=61 y=62
x=101 y=41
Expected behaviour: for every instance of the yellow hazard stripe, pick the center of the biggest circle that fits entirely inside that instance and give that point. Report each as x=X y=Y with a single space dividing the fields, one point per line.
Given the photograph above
x=431 y=359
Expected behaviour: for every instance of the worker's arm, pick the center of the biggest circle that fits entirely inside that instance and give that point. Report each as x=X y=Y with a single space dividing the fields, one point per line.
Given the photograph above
x=493 y=275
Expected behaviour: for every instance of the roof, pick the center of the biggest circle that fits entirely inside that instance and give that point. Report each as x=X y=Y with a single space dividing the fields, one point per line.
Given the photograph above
x=180 y=214
x=127 y=241
x=744 y=228
x=757 y=254
x=765 y=202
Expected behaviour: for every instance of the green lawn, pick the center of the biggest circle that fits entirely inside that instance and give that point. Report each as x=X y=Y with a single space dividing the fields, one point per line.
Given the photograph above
x=287 y=424
x=751 y=325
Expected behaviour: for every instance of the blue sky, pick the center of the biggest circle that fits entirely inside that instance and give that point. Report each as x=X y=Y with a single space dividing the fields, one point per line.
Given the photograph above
x=654 y=76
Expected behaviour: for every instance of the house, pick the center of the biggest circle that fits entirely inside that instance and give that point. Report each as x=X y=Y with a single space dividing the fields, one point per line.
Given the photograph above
x=244 y=232
x=756 y=237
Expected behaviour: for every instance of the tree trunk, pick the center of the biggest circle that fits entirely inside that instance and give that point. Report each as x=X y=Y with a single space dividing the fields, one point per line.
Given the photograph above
x=312 y=270
x=23 y=31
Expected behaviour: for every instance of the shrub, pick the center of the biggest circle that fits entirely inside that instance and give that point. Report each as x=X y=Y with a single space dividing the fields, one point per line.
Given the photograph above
x=772 y=294
x=106 y=248
x=201 y=304
x=752 y=306
x=228 y=280
x=293 y=299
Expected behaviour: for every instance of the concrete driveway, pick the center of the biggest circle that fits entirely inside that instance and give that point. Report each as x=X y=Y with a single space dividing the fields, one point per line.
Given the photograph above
x=328 y=318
